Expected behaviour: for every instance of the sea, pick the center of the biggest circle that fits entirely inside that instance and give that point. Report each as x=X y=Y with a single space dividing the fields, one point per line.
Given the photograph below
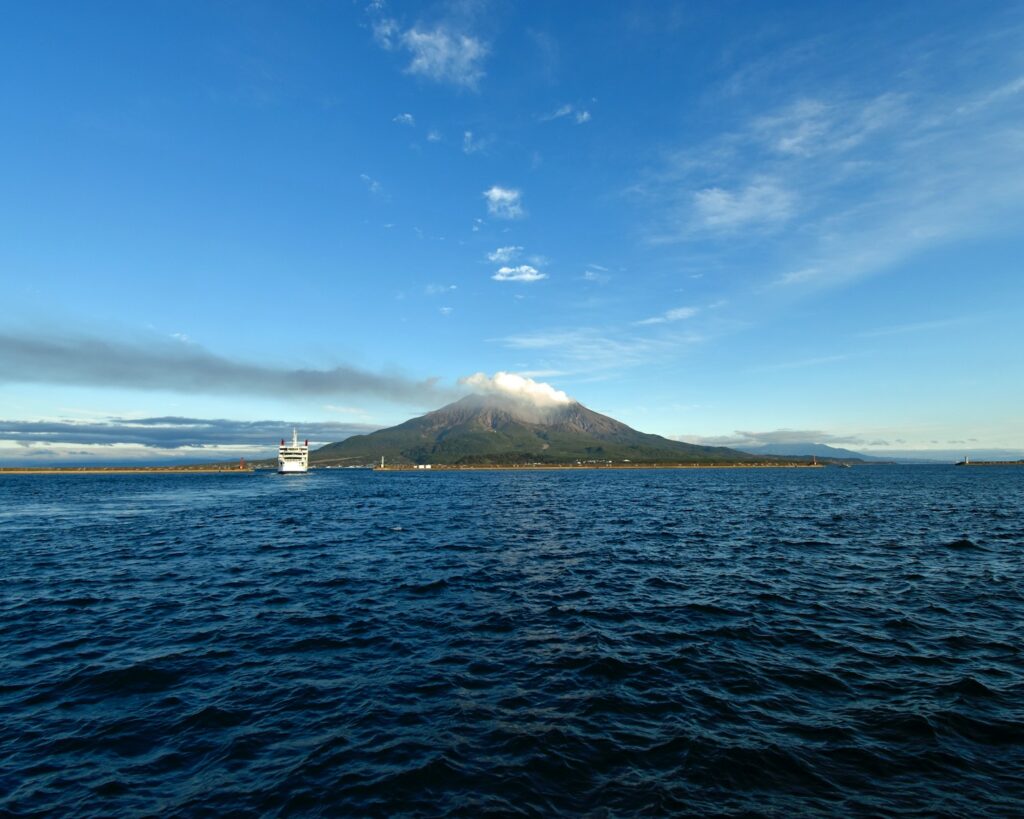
x=770 y=642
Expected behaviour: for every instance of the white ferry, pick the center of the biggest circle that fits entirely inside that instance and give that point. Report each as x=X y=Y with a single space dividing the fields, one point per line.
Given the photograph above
x=293 y=458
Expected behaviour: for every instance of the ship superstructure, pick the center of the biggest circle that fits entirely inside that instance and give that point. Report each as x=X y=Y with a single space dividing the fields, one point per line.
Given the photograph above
x=293 y=458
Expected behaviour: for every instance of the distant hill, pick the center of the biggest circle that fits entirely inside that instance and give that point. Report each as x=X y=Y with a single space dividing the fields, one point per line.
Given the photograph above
x=486 y=429
x=808 y=448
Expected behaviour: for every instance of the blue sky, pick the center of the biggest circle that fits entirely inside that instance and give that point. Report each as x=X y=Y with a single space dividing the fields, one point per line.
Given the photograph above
x=730 y=223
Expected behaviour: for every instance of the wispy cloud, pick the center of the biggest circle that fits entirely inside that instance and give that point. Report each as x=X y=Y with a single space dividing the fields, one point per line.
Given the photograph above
x=798 y=276
x=595 y=349
x=813 y=361
x=578 y=115
x=676 y=314
x=405 y=119
x=471 y=144
x=372 y=185
x=504 y=203
x=840 y=186
x=596 y=273
x=439 y=289
x=506 y=254
x=188 y=368
x=443 y=53
x=433 y=135
x=917 y=327
x=761 y=202
x=520 y=273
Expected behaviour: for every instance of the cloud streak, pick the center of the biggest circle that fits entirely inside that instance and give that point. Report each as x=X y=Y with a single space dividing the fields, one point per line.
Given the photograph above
x=676 y=314
x=189 y=368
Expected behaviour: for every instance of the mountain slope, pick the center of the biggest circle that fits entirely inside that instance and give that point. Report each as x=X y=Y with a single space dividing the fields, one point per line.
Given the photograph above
x=491 y=430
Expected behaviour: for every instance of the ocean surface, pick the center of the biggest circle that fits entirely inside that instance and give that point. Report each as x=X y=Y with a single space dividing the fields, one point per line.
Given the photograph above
x=605 y=643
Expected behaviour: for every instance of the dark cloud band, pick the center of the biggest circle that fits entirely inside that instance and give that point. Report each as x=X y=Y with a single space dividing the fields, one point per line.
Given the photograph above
x=189 y=368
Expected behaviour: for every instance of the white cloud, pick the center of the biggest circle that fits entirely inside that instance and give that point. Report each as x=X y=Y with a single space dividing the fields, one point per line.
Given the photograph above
x=405 y=119
x=582 y=116
x=676 y=314
x=513 y=385
x=505 y=203
x=444 y=55
x=761 y=202
x=446 y=311
x=504 y=255
x=433 y=136
x=521 y=273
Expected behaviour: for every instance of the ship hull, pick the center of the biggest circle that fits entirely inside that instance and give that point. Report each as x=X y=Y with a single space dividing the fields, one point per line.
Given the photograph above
x=294 y=459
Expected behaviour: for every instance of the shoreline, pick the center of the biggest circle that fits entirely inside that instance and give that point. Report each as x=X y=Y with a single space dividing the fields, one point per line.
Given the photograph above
x=536 y=467
x=117 y=470
x=166 y=470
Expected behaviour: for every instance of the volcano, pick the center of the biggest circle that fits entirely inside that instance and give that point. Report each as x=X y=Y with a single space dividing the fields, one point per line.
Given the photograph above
x=490 y=429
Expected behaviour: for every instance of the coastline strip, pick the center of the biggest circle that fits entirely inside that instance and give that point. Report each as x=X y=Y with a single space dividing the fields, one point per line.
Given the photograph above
x=535 y=467
x=113 y=470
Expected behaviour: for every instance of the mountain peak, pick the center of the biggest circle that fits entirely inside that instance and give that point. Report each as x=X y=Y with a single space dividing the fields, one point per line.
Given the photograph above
x=512 y=428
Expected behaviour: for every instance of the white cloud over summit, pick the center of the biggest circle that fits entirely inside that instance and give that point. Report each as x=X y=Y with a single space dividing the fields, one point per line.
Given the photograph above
x=513 y=385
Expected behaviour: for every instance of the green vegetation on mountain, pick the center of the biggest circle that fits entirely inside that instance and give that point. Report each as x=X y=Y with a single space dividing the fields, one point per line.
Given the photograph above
x=482 y=430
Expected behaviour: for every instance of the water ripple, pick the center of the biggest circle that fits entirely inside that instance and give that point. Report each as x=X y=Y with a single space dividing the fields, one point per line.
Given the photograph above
x=642 y=642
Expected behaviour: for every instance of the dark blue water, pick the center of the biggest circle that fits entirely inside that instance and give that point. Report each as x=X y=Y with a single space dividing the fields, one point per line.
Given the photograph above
x=603 y=643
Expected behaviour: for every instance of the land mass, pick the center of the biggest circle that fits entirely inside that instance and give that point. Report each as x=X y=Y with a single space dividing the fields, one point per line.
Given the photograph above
x=491 y=431
x=808 y=449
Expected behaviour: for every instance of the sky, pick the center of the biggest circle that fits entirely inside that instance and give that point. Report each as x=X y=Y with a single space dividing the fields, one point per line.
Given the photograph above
x=729 y=223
